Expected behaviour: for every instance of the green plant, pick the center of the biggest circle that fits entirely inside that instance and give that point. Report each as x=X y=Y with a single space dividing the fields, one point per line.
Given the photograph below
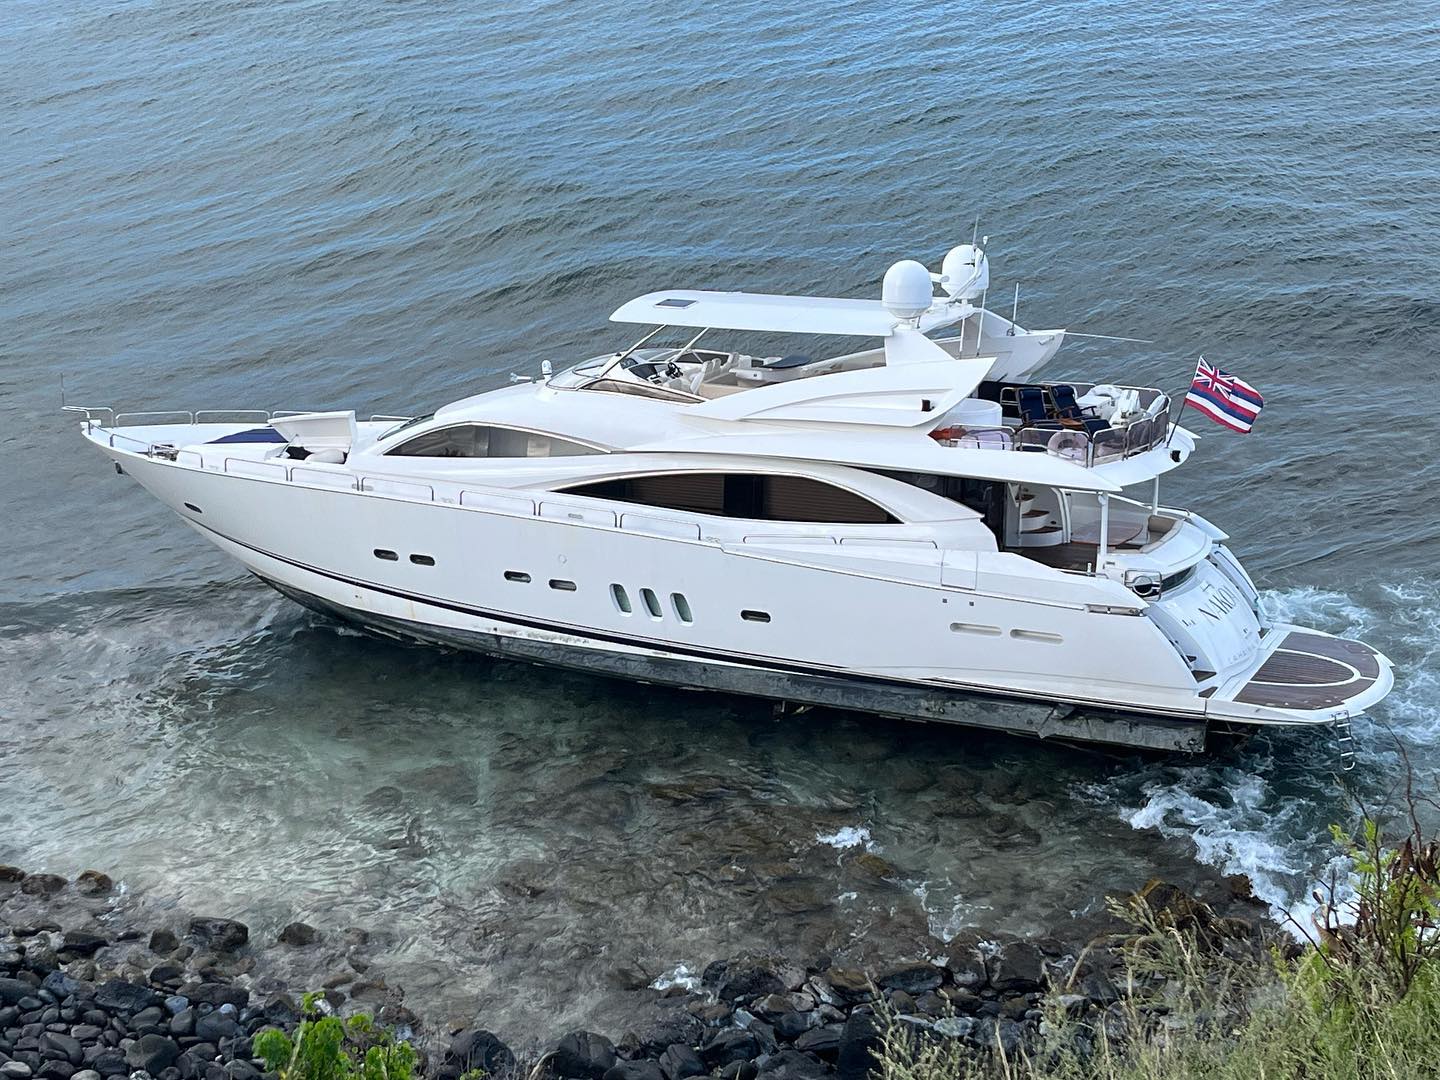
x=328 y=1048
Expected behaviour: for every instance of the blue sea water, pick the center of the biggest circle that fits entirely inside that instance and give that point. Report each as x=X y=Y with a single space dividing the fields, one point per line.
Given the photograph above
x=385 y=205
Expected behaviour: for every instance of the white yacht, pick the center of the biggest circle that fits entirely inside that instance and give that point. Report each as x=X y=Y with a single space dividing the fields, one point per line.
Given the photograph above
x=924 y=529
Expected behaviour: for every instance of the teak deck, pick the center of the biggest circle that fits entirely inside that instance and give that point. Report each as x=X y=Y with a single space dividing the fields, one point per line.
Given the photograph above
x=1309 y=671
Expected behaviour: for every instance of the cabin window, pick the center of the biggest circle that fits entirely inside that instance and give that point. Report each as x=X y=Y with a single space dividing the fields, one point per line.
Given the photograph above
x=386 y=555
x=562 y=585
x=423 y=560
x=517 y=575
x=621 y=598
x=652 y=603
x=682 y=608
x=484 y=441
x=753 y=496
x=751 y=615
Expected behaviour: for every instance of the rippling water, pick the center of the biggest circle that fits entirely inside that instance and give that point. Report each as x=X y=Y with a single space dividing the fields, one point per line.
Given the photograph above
x=386 y=205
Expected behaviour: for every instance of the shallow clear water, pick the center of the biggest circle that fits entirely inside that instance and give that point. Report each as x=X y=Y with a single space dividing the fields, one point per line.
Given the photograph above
x=387 y=205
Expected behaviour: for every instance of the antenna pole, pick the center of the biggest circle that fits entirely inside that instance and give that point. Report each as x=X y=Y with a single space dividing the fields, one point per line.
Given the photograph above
x=980 y=326
x=1015 y=312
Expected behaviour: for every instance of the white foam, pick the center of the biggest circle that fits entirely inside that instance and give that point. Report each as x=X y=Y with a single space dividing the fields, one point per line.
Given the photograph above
x=849 y=836
x=680 y=976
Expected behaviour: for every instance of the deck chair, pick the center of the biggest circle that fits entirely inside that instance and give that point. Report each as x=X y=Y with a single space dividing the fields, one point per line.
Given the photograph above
x=1070 y=412
x=1033 y=414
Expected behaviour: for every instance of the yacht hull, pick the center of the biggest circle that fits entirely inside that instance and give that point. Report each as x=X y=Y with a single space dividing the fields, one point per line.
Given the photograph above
x=1036 y=719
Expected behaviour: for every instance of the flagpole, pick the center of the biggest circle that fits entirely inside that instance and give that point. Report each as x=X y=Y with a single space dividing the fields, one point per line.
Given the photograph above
x=1176 y=422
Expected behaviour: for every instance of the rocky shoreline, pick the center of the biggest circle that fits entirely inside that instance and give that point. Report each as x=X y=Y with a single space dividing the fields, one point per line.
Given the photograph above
x=183 y=1001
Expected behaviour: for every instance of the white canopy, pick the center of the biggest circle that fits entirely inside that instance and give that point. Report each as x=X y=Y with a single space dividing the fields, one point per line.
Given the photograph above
x=776 y=313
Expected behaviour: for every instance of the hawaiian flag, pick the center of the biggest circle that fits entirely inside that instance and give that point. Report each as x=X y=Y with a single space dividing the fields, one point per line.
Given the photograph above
x=1224 y=398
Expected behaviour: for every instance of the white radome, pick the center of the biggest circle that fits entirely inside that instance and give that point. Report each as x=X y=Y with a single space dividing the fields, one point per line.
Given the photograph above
x=965 y=272
x=907 y=290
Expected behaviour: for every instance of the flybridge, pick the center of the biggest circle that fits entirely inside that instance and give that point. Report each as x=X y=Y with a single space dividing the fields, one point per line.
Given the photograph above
x=907 y=301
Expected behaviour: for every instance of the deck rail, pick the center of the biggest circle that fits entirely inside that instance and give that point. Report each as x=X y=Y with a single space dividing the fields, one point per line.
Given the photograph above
x=491 y=500
x=1072 y=444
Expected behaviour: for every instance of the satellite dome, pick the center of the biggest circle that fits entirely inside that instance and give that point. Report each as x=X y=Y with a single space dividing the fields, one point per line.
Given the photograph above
x=965 y=273
x=907 y=291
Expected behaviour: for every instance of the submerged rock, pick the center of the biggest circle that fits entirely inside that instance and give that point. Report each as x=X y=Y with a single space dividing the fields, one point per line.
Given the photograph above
x=222 y=935
x=42 y=884
x=298 y=934
x=94 y=883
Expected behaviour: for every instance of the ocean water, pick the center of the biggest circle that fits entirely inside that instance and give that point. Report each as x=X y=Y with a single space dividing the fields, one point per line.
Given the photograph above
x=387 y=205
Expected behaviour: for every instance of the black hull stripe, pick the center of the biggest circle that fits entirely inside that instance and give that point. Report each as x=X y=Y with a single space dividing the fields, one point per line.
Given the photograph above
x=768 y=663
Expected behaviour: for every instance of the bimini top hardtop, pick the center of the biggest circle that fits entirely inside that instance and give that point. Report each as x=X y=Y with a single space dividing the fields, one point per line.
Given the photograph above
x=907 y=302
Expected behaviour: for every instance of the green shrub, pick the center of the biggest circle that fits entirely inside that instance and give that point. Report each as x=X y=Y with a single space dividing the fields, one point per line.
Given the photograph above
x=1361 y=1003
x=328 y=1048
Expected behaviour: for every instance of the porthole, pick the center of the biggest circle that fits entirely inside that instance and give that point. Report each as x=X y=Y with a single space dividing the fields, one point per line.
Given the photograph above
x=386 y=555
x=621 y=598
x=423 y=560
x=682 y=608
x=1037 y=635
x=192 y=506
x=517 y=575
x=750 y=615
x=975 y=628
x=652 y=603
x=561 y=585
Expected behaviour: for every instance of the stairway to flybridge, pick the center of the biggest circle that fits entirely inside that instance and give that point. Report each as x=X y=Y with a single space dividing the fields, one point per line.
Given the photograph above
x=1035 y=526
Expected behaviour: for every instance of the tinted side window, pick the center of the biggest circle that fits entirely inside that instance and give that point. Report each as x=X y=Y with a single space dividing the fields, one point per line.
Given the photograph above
x=739 y=495
x=696 y=493
x=480 y=441
x=798 y=498
x=466 y=440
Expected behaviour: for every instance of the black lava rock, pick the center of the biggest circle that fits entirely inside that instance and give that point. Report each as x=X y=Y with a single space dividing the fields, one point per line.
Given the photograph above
x=222 y=935
x=823 y=1041
x=679 y=1062
x=58 y=1047
x=152 y=1053
x=749 y=979
x=793 y=1065
x=82 y=943
x=164 y=942
x=858 y=1042
x=1019 y=967
x=642 y=1069
x=583 y=1055
x=728 y=1046
x=110 y=1063
x=12 y=990
x=122 y=996
x=475 y=1048
x=911 y=978
x=212 y=1027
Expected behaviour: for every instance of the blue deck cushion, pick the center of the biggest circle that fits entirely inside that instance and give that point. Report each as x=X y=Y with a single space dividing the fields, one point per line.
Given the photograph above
x=252 y=435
